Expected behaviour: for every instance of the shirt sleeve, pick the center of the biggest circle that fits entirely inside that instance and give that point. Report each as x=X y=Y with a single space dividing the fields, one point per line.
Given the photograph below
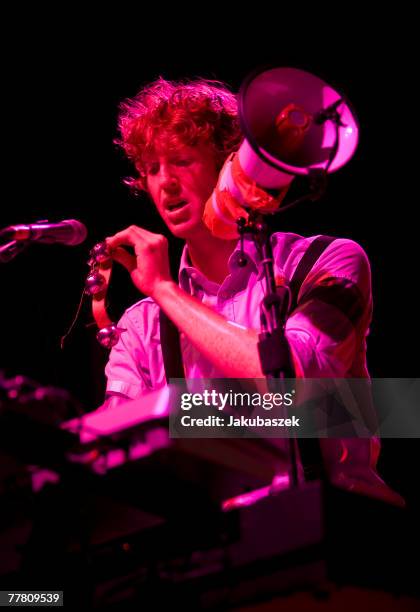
x=127 y=368
x=327 y=330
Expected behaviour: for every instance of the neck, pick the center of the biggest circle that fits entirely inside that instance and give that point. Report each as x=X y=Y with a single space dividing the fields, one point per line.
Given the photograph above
x=210 y=255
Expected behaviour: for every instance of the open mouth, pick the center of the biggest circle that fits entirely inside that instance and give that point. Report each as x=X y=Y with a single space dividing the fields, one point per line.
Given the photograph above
x=176 y=205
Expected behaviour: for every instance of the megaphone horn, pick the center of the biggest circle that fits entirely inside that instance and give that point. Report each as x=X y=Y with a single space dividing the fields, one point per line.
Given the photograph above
x=293 y=124
x=264 y=98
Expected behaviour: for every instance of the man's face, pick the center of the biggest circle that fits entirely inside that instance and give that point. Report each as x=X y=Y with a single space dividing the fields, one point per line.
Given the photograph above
x=180 y=182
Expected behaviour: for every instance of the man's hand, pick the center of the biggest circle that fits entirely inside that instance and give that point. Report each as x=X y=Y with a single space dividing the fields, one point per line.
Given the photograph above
x=232 y=350
x=150 y=266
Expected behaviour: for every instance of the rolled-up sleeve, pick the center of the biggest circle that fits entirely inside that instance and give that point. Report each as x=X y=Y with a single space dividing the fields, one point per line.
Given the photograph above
x=127 y=368
x=327 y=330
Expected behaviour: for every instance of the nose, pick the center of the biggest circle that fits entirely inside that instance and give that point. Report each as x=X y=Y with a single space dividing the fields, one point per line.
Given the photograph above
x=168 y=179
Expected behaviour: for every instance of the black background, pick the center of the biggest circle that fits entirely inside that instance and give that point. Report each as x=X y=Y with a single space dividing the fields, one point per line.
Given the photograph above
x=64 y=76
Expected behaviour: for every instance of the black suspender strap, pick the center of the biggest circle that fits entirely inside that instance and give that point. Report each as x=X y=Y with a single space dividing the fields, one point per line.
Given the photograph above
x=312 y=254
x=309 y=448
x=171 y=347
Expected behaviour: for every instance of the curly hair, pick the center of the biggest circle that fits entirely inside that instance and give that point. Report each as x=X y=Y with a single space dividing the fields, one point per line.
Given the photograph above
x=177 y=113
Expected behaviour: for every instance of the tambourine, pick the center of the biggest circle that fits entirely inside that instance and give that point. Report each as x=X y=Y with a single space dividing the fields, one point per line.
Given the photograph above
x=96 y=285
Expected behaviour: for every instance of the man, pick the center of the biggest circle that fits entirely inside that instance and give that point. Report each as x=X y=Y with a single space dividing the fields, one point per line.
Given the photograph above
x=178 y=136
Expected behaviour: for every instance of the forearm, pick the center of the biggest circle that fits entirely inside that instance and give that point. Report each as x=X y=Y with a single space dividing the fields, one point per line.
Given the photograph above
x=231 y=349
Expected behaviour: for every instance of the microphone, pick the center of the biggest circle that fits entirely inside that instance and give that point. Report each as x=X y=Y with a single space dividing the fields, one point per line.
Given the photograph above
x=70 y=232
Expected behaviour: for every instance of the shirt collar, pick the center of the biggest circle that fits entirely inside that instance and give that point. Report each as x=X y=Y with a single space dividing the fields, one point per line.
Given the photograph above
x=189 y=275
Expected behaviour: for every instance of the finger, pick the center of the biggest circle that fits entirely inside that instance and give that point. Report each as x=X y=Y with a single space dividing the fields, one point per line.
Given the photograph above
x=121 y=256
x=128 y=237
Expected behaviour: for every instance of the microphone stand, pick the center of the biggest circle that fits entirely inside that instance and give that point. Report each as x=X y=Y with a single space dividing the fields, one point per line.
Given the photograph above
x=272 y=345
